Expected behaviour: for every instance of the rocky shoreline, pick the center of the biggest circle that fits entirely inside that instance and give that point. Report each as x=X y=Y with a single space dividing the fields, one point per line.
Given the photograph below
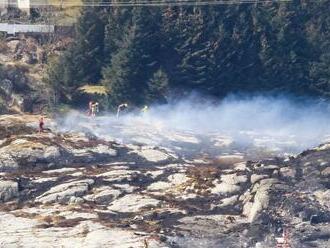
x=73 y=189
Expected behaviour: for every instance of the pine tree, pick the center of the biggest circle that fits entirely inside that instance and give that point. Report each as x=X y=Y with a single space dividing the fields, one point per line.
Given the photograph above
x=134 y=61
x=88 y=48
x=319 y=35
x=158 y=87
x=288 y=53
x=118 y=19
x=81 y=63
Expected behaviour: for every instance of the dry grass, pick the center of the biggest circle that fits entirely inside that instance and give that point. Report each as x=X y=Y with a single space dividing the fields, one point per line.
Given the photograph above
x=67 y=13
x=202 y=177
x=8 y=207
x=51 y=219
x=93 y=90
x=57 y=221
x=228 y=161
x=66 y=3
x=23 y=214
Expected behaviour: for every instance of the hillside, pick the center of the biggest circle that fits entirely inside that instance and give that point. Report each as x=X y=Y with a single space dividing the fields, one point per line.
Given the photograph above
x=72 y=188
x=23 y=64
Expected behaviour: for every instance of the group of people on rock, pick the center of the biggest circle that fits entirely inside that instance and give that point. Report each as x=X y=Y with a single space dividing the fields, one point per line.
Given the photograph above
x=93 y=109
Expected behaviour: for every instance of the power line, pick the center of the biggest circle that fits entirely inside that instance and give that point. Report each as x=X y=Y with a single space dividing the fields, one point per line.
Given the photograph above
x=140 y=3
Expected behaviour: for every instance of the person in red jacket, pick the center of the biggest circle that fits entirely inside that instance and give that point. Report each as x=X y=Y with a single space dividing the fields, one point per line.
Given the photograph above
x=41 y=124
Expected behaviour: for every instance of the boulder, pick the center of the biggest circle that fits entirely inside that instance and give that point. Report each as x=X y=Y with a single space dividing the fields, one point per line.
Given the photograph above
x=288 y=172
x=255 y=178
x=326 y=172
x=323 y=197
x=261 y=202
x=230 y=184
x=234 y=179
x=225 y=188
x=23 y=152
x=227 y=202
x=7 y=163
x=264 y=184
x=152 y=155
x=105 y=195
x=172 y=184
x=133 y=203
x=51 y=150
x=8 y=190
x=6 y=87
x=62 y=193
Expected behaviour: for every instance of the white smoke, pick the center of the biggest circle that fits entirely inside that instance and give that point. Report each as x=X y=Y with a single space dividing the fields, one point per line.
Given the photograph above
x=275 y=123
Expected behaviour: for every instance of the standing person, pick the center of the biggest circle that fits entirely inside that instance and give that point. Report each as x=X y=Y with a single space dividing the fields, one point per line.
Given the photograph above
x=96 y=107
x=120 y=108
x=90 y=104
x=93 y=109
x=145 y=109
x=41 y=124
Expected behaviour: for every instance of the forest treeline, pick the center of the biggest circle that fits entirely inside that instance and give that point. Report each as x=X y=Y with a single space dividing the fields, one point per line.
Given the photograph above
x=144 y=54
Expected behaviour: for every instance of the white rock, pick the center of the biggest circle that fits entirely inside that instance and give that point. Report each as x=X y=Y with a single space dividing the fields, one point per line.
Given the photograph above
x=133 y=203
x=156 y=186
x=152 y=155
x=261 y=201
x=240 y=166
x=323 y=196
x=230 y=201
x=174 y=181
x=234 y=179
x=103 y=149
x=225 y=188
x=177 y=178
x=45 y=179
x=247 y=208
x=229 y=184
x=255 y=178
x=62 y=170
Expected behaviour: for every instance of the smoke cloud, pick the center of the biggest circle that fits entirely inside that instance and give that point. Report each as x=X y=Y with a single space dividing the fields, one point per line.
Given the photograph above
x=278 y=124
